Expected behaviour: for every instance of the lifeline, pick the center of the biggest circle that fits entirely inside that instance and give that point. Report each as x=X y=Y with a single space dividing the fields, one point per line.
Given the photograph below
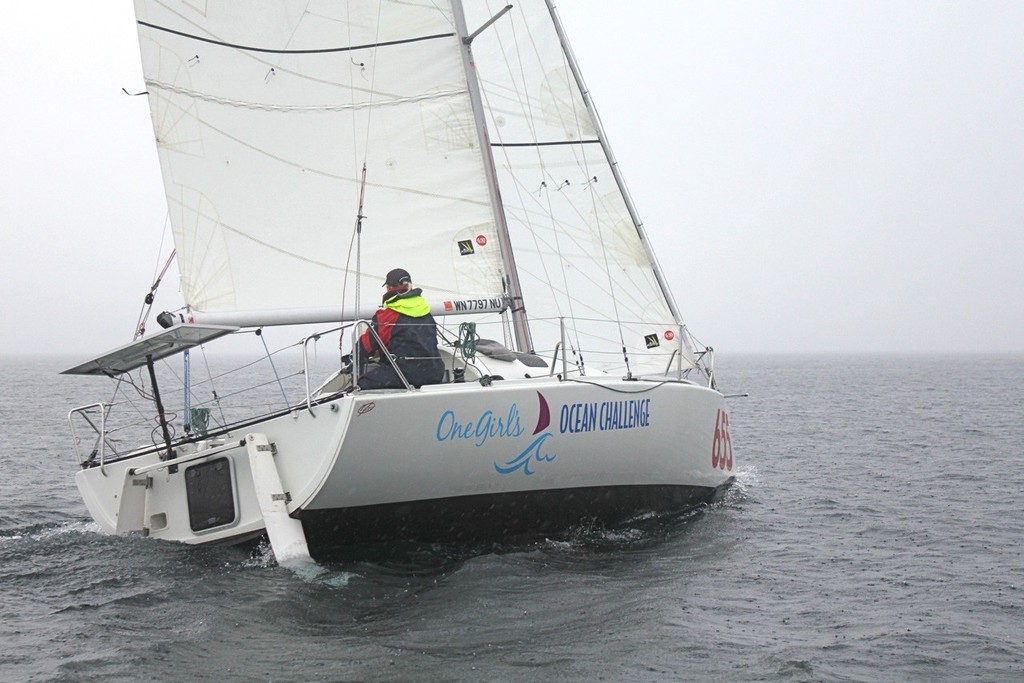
x=605 y=416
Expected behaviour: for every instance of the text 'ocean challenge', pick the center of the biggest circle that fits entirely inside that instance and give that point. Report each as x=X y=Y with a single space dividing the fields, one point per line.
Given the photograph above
x=605 y=416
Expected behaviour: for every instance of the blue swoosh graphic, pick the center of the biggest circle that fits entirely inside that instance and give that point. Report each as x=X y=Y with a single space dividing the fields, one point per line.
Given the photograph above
x=529 y=454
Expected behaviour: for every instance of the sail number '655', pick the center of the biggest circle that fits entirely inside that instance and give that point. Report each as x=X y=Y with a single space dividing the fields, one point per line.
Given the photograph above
x=721 y=446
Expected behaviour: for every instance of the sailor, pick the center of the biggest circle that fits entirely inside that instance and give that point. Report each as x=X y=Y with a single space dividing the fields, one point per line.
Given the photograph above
x=409 y=334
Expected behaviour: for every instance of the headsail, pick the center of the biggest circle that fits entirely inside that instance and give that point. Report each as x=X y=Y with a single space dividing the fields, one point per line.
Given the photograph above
x=580 y=251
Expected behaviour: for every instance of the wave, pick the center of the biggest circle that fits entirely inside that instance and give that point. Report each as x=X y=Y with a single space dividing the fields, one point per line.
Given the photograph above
x=49 y=531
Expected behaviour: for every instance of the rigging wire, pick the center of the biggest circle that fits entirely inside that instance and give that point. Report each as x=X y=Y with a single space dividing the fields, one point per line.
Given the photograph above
x=653 y=386
x=359 y=240
x=213 y=390
x=612 y=290
x=357 y=230
x=655 y=268
x=259 y=333
x=546 y=206
x=598 y=214
x=526 y=107
x=187 y=407
x=140 y=325
x=140 y=328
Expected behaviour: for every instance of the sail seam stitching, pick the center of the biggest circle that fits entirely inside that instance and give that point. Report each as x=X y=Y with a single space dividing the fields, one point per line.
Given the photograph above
x=312 y=107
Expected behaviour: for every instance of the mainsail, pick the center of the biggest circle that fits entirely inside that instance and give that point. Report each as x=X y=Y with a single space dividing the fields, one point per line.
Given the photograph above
x=265 y=113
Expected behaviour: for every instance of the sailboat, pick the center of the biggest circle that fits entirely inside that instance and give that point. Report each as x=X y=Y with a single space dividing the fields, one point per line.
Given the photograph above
x=307 y=148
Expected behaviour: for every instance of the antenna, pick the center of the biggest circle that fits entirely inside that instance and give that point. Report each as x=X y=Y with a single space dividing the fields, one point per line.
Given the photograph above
x=359 y=268
x=359 y=233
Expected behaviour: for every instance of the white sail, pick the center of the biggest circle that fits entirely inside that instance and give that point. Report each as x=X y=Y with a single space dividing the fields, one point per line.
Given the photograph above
x=579 y=251
x=264 y=113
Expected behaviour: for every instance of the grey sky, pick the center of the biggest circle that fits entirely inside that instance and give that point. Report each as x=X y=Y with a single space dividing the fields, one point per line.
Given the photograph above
x=816 y=176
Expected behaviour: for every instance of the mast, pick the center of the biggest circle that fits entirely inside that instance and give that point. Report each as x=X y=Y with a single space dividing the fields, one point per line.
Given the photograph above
x=612 y=162
x=520 y=325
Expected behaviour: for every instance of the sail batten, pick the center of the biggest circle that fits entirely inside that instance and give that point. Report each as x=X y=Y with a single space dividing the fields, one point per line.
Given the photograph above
x=286 y=51
x=380 y=101
x=550 y=143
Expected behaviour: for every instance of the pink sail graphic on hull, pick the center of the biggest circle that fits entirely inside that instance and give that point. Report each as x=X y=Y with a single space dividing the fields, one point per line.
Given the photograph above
x=544 y=419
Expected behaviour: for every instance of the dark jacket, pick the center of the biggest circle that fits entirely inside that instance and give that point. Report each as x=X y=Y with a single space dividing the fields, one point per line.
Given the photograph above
x=409 y=333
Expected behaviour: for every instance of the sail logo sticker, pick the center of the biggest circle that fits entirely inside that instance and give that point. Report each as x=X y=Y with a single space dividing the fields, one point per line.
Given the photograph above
x=534 y=453
x=669 y=335
x=651 y=340
x=466 y=247
x=481 y=240
x=721 y=446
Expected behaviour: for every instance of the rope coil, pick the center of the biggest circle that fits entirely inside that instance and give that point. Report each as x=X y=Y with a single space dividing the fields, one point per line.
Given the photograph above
x=468 y=338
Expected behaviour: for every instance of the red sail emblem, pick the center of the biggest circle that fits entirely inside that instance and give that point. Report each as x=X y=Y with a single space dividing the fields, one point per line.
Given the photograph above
x=721 y=447
x=544 y=419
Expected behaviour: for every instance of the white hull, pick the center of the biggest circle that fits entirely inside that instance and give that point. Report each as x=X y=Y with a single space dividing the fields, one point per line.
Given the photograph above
x=515 y=216
x=366 y=465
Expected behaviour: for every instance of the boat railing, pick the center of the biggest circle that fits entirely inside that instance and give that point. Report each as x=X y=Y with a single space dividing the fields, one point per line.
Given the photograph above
x=679 y=362
x=232 y=393
x=356 y=328
x=305 y=371
x=385 y=355
x=304 y=342
x=560 y=352
x=703 y=357
x=99 y=430
x=610 y=346
x=561 y=344
x=706 y=361
x=357 y=349
x=235 y=390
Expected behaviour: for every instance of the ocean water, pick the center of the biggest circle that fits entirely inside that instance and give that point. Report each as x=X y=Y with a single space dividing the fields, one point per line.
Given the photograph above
x=874 y=534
